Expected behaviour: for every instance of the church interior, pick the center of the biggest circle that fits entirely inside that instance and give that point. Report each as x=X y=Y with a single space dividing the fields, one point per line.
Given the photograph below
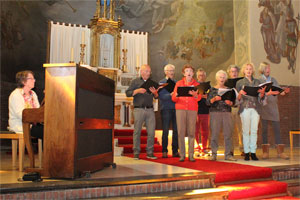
x=85 y=55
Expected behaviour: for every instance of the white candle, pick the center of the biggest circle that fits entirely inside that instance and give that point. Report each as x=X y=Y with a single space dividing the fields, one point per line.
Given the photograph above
x=72 y=55
x=82 y=37
x=124 y=45
x=137 y=60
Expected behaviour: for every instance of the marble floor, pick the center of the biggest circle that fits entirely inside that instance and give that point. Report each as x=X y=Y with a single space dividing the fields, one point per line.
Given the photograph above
x=128 y=167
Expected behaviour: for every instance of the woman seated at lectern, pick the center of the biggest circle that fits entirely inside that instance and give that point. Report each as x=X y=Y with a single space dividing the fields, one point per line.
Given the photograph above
x=23 y=97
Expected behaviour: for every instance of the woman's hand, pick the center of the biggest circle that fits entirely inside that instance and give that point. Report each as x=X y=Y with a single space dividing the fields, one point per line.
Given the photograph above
x=193 y=93
x=228 y=102
x=216 y=98
x=262 y=91
x=271 y=92
x=242 y=92
x=204 y=96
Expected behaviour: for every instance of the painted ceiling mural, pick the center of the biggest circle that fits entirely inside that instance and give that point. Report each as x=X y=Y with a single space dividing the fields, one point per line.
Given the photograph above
x=183 y=31
x=279 y=30
x=199 y=32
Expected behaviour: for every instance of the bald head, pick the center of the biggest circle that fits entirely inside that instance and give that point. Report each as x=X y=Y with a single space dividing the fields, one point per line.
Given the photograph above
x=145 y=71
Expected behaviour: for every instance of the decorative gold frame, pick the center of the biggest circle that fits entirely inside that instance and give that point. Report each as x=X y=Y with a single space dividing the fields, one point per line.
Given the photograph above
x=104 y=25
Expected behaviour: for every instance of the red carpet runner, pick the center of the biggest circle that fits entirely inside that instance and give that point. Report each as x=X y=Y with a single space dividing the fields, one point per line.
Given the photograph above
x=225 y=172
x=125 y=140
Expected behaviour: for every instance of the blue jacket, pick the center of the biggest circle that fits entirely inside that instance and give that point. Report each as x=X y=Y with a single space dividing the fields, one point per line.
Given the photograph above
x=165 y=98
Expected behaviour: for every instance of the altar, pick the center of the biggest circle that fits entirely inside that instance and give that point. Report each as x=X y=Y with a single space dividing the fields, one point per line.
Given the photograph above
x=105 y=48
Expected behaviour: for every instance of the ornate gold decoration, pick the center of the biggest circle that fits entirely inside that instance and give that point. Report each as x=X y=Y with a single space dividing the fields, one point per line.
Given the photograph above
x=101 y=24
x=124 y=66
x=82 y=46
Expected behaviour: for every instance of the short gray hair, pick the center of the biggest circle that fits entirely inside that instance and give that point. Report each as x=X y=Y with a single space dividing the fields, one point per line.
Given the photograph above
x=169 y=66
x=262 y=67
x=221 y=72
x=233 y=66
x=201 y=70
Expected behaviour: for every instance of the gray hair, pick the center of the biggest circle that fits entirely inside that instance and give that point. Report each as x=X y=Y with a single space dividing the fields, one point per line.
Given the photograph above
x=262 y=67
x=168 y=66
x=201 y=70
x=221 y=72
x=233 y=66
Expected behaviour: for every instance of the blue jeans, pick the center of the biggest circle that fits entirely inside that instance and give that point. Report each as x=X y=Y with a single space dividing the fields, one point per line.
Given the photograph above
x=250 y=119
x=168 y=117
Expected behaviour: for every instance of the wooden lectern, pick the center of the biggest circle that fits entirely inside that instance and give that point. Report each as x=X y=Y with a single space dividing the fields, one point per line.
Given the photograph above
x=79 y=121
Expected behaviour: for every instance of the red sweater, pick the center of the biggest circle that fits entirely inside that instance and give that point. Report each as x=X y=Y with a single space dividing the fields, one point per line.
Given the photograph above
x=185 y=103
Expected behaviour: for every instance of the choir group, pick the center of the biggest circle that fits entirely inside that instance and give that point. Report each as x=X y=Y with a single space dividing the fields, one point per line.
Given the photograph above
x=234 y=105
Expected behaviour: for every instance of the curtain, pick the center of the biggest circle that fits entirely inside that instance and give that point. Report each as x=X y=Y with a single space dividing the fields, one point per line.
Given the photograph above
x=64 y=37
x=136 y=44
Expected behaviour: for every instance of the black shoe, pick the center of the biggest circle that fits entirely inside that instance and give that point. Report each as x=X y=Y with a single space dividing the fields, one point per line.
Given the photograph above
x=247 y=156
x=231 y=153
x=165 y=155
x=191 y=159
x=253 y=156
x=176 y=155
x=182 y=159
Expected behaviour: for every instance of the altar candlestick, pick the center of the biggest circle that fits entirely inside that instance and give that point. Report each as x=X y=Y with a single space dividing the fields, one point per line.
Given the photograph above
x=124 y=45
x=82 y=37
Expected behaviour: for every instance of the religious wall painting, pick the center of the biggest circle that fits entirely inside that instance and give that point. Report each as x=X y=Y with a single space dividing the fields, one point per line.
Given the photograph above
x=160 y=13
x=280 y=31
x=204 y=42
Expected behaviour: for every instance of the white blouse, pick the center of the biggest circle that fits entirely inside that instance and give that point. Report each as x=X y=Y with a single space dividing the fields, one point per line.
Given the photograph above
x=16 y=105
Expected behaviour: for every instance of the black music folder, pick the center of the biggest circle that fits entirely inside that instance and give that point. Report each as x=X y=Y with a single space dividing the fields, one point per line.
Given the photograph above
x=184 y=91
x=267 y=84
x=231 y=83
x=148 y=84
x=253 y=91
x=203 y=87
x=171 y=85
x=275 y=88
x=228 y=94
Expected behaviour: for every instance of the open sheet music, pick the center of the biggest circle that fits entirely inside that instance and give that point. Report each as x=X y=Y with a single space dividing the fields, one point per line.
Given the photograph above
x=203 y=87
x=253 y=90
x=184 y=91
x=228 y=94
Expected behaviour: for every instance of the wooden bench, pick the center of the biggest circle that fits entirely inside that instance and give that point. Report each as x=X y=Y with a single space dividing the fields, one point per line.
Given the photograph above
x=293 y=132
x=18 y=139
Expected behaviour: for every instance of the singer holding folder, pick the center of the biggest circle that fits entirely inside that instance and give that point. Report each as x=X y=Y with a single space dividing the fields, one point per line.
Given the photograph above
x=143 y=111
x=233 y=72
x=186 y=111
x=270 y=113
x=249 y=110
x=168 y=112
x=220 y=116
x=202 y=116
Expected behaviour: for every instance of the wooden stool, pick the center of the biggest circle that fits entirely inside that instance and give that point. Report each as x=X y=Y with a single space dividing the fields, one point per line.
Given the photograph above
x=19 y=138
x=291 y=137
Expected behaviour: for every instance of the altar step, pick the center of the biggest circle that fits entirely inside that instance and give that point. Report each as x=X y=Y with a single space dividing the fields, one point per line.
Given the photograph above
x=125 y=140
